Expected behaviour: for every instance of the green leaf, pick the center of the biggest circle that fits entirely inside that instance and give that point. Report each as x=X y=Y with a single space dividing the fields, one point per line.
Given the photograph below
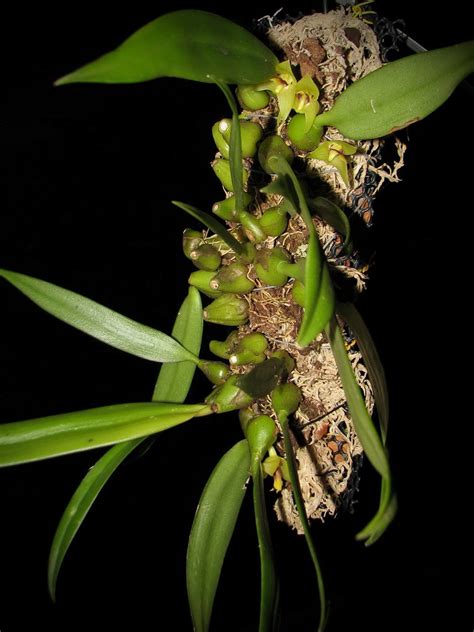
x=269 y=589
x=371 y=360
x=174 y=379
x=212 y=530
x=235 y=149
x=186 y=44
x=262 y=378
x=213 y=224
x=79 y=505
x=45 y=437
x=319 y=293
x=335 y=217
x=400 y=93
x=361 y=419
x=387 y=511
x=99 y=321
x=299 y=502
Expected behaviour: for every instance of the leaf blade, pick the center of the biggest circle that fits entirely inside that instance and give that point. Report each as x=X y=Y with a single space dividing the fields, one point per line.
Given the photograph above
x=99 y=321
x=400 y=93
x=361 y=419
x=213 y=224
x=172 y=387
x=212 y=530
x=174 y=379
x=372 y=362
x=46 y=437
x=188 y=44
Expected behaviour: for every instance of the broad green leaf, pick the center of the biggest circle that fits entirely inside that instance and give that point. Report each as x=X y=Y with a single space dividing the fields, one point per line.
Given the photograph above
x=45 y=437
x=299 y=502
x=213 y=224
x=361 y=419
x=193 y=45
x=100 y=322
x=174 y=379
x=319 y=293
x=79 y=506
x=371 y=360
x=212 y=529
x=269 y=589
x=400 y=93
x=335 y=217
x=173 y=384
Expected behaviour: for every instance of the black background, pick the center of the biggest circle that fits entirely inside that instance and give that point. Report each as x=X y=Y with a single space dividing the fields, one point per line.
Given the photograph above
x=90 y=172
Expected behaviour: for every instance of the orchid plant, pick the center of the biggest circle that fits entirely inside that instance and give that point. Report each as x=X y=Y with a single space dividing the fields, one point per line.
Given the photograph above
x=247 y=246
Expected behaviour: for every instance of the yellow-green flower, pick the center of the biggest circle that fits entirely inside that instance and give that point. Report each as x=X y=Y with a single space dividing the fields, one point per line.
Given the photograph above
x=334 y=153
x=306 y=100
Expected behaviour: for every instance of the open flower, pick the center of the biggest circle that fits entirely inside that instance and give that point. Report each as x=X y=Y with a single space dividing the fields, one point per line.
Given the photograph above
x=334 y=153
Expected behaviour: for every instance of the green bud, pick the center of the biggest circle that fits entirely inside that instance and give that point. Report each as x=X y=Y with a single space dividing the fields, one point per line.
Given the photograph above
x=192 y=239
x=223 y=349
x=228 y=397
x=249 y=350
x=216 y=372
x=226 y=209
x=233 y=278
x=206 y=257
x=305 y=141
x=246 y=357
x=251 y=99
x=287 y=359
x=273 y=146
x=252 y=226
x=266 y=266
x=274 y=221
x=245 y=415
x=249 y=252
x=201 y=280
x=255 y=342
x=285 y=398
x=221 y=168
x=261 y=433
x=297 y=292
x=228 y=309
x=250 y=134
x=221 y=143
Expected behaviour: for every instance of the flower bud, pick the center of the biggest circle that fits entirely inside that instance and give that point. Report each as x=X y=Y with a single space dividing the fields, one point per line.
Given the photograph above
x=251 y=99
x=206 y=257
x=285 y=398
x=297 y=292
x=221 y=168
x=228 y=309
x=192 y=239
x=274 y=221
x=221 y=143
x=305 y=141
x=249 y=350
x=233 y=278
x=266 y=266
x=216 y=372
x=201 y=280
x=228 y=397
x=252 y=226
x=273 y=146
x=226 y=209
x=223 y=349
x=250 y=134
x=261 y=433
